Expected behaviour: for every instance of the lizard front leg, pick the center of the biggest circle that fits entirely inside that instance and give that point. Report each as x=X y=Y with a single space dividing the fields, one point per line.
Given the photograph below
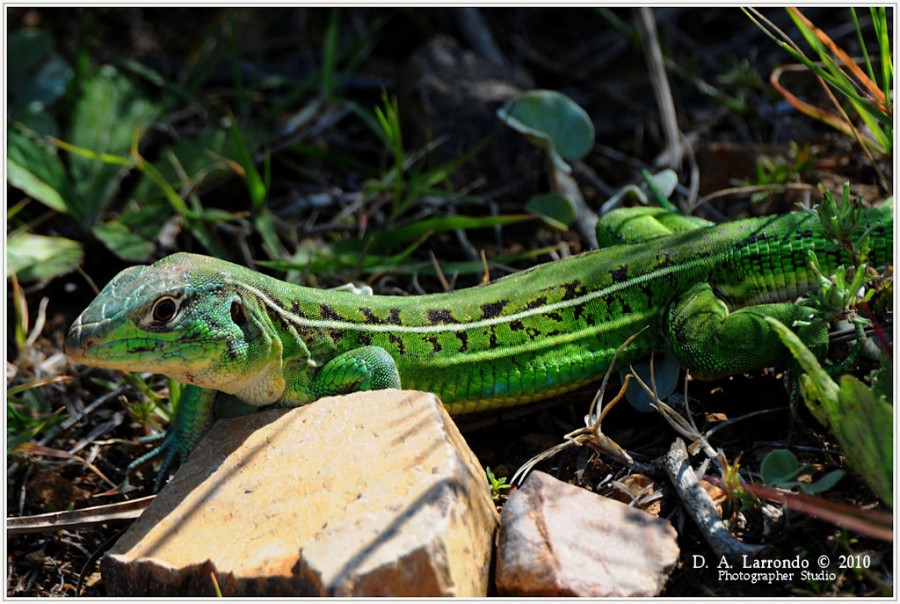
x=713 y=342
x=365 y=368
x=192 y=417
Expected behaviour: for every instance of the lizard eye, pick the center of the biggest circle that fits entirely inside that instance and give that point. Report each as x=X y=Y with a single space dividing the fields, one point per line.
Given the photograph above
x=164 y=309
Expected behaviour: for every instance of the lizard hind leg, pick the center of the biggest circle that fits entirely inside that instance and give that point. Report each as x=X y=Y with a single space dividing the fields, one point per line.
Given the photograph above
x=365 y=368
x=713 y=342
x=642 y=223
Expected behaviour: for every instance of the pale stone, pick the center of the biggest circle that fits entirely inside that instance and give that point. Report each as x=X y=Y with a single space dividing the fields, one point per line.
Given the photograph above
x=560 y=540
x=370 y=494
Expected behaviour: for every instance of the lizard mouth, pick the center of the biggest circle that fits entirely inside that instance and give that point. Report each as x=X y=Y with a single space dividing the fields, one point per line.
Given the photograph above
x=85 y=344
x=89 y=342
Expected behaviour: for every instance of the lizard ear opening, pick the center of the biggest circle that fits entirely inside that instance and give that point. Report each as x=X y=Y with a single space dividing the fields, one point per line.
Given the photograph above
x=238 y=316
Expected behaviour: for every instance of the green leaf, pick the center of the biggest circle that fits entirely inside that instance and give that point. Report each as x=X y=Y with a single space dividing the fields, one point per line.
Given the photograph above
x=122 y=242
x=552 y=121
x=819 y=390
x=866 y=434
x=657 y=187
x=39 y=258
x=555 y=209
x=823 y=484
x=661 y=186
x=106 y=118
x=35 y=168
x=147 y=218
x=257 y=188
x=780 y=466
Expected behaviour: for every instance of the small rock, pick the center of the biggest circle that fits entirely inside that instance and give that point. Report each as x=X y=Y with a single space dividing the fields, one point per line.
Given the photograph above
x=560 y=540
x=370 y=494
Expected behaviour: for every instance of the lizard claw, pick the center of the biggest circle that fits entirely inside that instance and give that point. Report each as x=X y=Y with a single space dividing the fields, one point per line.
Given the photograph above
x=173 y=455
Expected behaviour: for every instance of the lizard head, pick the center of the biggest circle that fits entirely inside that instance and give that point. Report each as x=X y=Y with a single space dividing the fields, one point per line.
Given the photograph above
x=181 y=317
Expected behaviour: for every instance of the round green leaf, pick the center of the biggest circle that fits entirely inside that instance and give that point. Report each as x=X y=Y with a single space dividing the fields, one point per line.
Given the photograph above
x=552 y=121
x=780 y=466
x=555 y=209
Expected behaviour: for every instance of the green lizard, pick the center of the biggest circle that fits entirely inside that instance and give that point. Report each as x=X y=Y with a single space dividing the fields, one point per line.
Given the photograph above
x=704 y=292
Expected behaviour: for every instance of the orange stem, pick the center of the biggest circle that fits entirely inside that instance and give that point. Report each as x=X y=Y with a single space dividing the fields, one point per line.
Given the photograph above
x=857 y=71
x=813 y=111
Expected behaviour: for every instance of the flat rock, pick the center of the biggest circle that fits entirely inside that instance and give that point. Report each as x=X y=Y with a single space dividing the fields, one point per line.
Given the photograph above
x=369 y=494
x=560 y=540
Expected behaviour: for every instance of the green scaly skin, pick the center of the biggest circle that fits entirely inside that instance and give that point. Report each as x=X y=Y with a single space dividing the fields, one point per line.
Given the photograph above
x=529 y=336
